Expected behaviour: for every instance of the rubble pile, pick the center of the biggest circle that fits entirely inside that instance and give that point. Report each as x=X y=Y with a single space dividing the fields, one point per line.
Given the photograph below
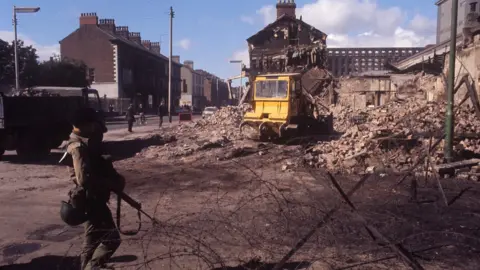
x=393 y=137
x=344 y=117
x=225 y=122
x=226 y=116
x=216 y=131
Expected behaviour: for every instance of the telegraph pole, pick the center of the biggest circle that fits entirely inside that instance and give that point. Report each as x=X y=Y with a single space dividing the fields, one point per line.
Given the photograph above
x=216 y=96
x=450 y=121
x=172 y=15
x=17 y=84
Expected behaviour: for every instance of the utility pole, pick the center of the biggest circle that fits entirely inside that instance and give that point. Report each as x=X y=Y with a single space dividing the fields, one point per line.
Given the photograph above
x=450 y=121
x=216 y=96
x=15 y=49
x=241 y=83
x=17 y=87
x=172 y=15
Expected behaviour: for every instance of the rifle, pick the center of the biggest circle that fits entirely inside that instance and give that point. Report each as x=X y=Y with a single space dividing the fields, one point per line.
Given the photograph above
x=136 y=205
x=108 y=166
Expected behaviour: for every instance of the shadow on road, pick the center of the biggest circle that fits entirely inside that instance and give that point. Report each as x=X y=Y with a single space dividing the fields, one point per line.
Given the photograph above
x=47 y=262
x=60 y=263
x=51 y=159
x=257 y=265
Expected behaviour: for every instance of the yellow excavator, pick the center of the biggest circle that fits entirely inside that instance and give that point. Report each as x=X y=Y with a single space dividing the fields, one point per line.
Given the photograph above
x=282 y=108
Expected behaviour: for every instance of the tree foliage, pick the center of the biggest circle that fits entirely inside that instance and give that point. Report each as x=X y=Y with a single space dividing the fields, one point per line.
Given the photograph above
x=54 y=72
x=62 y=72
x=27 y=63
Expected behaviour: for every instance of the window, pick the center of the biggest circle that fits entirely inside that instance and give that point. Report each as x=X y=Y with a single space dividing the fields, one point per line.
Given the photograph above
x=91 y=74
x=127 y=76
x=271 y=89
x=473 y=6
x=184 y=82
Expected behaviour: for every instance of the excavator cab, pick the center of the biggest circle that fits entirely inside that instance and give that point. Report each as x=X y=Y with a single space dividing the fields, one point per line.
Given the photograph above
x=273 y=104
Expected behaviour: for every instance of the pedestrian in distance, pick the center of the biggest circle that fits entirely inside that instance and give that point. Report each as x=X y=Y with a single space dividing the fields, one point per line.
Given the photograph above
x=161 y=113
x=101 y=236
x=141 y=112
x=130 y=117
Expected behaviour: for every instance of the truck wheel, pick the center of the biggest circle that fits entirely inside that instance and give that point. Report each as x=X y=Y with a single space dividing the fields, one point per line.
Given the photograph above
x=33 y=148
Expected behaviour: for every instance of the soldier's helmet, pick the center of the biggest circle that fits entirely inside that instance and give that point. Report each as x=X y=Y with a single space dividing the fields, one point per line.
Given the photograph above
x=84 y=116
x=71 y=215
x=87 y=115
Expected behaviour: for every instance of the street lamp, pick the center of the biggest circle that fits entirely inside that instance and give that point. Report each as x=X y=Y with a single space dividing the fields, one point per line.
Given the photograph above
x=15 y=11
x=241 y=73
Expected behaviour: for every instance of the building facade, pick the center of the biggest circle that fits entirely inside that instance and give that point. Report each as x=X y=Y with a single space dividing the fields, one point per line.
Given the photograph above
x=286 y=45
x=193 y=87
x=120 y=64
x=444 y=18
x=349 y=61
x=467 y=22
x=215 y=89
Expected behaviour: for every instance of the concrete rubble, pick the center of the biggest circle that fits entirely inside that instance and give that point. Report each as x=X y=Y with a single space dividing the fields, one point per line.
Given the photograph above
x=217 y=131
x=393 y=137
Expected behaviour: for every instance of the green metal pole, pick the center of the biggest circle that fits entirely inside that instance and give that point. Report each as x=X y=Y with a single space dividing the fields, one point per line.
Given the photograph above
x=449 y=121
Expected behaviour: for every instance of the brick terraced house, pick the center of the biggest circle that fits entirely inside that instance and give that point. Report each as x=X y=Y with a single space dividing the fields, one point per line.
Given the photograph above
x=122 y=65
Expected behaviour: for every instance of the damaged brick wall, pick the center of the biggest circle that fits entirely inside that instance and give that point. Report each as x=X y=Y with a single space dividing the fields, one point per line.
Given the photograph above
x=359 y=92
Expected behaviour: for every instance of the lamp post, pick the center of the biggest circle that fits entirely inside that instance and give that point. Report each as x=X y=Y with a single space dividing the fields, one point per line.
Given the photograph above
x=241 y=73
x=15 y=11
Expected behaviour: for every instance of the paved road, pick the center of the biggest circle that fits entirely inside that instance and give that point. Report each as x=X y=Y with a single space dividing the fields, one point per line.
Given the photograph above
x=151 y=121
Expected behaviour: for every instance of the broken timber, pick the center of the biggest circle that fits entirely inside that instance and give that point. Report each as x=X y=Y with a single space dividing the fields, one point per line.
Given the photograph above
x=449 y=167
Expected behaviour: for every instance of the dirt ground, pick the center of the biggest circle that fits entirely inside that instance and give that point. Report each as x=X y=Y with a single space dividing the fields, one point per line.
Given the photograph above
x=243 y=210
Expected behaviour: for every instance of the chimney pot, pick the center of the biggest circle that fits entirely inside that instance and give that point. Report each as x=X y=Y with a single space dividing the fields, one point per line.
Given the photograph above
x=286 y=7
x=108 y=25
x=88 y=19
x=135 y=36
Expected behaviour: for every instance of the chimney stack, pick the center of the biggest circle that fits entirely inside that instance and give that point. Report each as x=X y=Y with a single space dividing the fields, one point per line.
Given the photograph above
x=147 y=44
x=135 y=37
x=107 y=25
x=176 y=58
x=88 y=19
x=122 y=31
x=286 y=7
x=155 y=47
x=188 y=63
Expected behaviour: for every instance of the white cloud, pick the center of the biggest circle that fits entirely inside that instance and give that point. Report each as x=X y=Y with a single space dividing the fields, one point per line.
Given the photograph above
x=242 y=55
x=269 y=14
x=422 y=24
x=44 y=52
x=185 y=43
x=362 y=23
x=247 y=19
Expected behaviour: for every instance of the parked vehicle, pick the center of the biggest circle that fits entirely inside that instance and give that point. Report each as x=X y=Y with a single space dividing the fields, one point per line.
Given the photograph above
x=33 y=125
x=209 y=111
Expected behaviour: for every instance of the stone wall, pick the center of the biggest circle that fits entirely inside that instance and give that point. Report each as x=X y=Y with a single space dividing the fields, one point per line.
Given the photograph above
x=359 y=92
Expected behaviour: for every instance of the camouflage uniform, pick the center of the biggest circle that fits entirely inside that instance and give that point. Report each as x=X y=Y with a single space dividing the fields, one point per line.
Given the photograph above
x=102 y=238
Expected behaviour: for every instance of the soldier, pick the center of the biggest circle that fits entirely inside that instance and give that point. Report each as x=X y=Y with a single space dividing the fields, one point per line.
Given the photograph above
x=130 y=117
x=102 y=238
x=161 y=112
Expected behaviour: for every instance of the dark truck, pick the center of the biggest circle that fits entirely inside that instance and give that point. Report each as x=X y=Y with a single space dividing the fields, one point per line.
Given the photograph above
x=33 y=125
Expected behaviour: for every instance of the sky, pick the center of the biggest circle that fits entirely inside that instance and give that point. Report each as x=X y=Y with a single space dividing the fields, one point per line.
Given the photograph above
x=212 y=32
